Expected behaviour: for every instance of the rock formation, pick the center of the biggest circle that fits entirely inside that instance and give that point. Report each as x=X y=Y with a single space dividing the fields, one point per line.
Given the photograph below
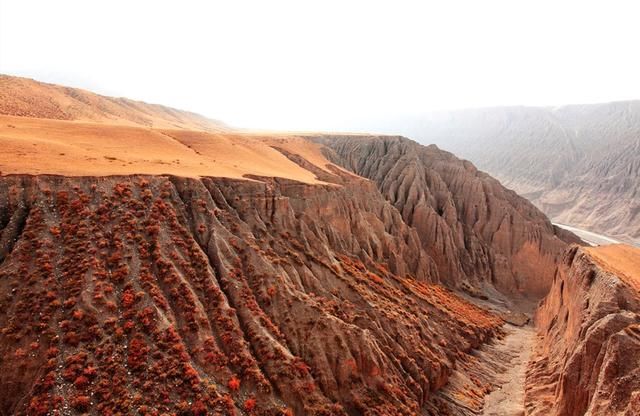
x=586 y=357
x=479 y=233
x=578 y=163
x=170 y=271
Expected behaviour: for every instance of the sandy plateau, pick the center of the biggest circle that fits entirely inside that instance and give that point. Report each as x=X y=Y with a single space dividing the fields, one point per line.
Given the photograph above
x=40 y=146
x=621 y=260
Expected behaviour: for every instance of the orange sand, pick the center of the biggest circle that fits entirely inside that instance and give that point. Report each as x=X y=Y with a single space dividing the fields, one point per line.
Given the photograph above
x=29 y=98
x=621 y=259
x=44 y=146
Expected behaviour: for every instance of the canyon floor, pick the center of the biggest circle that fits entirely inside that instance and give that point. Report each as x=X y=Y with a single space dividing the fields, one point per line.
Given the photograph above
x=508 y=397
x=590 y=237
x=615 y=274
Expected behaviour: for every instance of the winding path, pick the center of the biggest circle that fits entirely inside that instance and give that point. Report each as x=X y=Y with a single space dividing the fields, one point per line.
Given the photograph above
x=508 y=398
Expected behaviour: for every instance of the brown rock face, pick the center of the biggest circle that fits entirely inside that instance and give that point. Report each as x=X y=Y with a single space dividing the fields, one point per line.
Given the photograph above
x=580 y=164
x=586 y=358
x=157 y=294
x=478 y=232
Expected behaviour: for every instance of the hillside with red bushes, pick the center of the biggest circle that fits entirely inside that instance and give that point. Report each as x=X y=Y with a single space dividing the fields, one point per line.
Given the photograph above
x=156 y=270
x=161 y=294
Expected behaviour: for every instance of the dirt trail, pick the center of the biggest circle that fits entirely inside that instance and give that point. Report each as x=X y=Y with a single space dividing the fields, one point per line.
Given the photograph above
x=491 y=381
x=508 y=398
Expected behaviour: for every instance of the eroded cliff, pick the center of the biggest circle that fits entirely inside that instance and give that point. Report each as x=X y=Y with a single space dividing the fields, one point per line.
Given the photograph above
x=578 y=163
x=479 y=233
x=586 y=356
x=158 y=294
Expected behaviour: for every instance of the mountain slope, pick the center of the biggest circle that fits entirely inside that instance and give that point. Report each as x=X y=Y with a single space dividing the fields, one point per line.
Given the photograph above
x=28 y=98
x=577 y=163
x=170 y=294
x=253 y=295
x=479 y=233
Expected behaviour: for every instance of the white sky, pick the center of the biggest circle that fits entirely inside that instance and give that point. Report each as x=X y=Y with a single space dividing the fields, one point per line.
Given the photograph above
x=328 y=64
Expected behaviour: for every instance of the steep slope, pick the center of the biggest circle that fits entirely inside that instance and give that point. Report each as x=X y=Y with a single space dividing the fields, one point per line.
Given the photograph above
x=28 y=98
x=479 y=233
x=586 y=361
x=165 y=294
x=604 y=191
x=577 y=163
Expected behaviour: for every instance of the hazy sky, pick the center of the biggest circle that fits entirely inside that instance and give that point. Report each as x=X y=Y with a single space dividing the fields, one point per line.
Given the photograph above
x=328 y=64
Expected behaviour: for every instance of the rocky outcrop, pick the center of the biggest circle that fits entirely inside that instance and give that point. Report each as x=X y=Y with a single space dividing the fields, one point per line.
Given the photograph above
x=158 y=294
x=578 y=163
x=480 y=234
x=585 y=361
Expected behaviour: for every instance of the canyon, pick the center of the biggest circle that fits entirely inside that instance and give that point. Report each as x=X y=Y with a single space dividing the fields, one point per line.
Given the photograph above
x=171 y=265
x=578 y=163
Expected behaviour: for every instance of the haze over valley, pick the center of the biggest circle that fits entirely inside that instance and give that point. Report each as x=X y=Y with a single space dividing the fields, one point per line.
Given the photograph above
x=580 y=164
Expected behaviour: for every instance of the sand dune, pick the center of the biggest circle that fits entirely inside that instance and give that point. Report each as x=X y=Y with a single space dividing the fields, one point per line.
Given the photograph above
x=29 y=98
x=42 y=146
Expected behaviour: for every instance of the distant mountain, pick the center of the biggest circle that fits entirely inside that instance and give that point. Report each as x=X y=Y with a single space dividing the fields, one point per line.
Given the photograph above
x=28 y=98
x=580 y=164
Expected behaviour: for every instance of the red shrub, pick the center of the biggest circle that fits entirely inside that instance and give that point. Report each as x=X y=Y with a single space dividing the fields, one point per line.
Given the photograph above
x=62 y=197
x=198 y=408
x=128 y=298
x=234 y=384
x=301 y=367
x=250 y=404
x=190 y=372
x=90 y=372
x=137 y=354
x=81 y=382
x=122 y=189
x=38 y=407
x=71 y=338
